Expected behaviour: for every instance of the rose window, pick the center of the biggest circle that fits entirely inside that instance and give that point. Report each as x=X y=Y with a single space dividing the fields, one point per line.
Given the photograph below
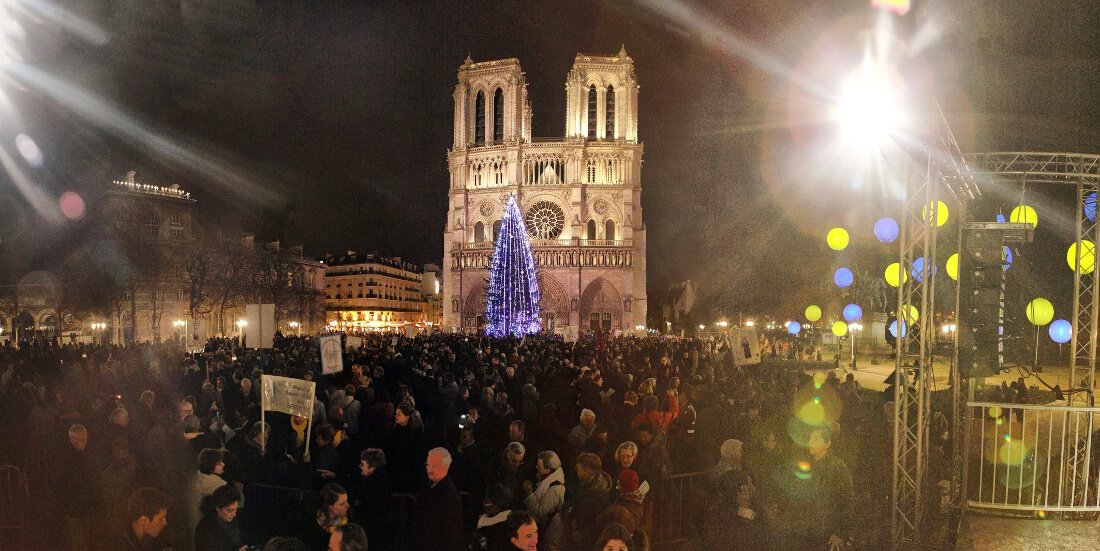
x=545 y=220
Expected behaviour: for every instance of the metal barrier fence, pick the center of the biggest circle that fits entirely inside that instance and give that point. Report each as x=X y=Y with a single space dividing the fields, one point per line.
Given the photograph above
x=1033 y=458
x=677 y=505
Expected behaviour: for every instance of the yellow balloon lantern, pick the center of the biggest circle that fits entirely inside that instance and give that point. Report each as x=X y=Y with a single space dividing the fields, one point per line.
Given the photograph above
x=813 y=313
x=1024 y=214
x=953 y=266
x=840 y=328
x=1088 y=256
x=837 y=239
x=941 y=212
x=1040 y=311
x=895 y=275
x=910 y=315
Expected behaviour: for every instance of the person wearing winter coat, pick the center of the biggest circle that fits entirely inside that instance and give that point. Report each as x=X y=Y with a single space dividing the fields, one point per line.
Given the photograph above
x=545 y=500
x=587 y=498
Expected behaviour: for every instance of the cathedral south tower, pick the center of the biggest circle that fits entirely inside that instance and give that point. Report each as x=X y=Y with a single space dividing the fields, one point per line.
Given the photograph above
x=580 y=195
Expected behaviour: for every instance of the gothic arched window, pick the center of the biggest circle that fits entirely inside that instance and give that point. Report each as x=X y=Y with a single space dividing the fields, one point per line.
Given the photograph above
x=479 y=119
x=479 y=232
x=609 y=112
x=609 y=230
x=592 y=112
x=498 y=116
x=496 y=230
x=591 y=229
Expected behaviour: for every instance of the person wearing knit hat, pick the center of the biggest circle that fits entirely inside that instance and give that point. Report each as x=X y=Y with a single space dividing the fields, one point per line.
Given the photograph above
x=628 y=481
x=627 y=492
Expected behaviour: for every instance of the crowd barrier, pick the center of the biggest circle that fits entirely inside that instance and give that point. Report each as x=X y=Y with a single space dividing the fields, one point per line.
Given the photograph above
x=1034 y=459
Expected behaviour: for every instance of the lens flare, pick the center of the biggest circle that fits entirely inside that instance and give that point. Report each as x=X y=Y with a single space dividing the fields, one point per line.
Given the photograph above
x=29 y=150
x=819 y=380
x=71 y=205
x=812 y=413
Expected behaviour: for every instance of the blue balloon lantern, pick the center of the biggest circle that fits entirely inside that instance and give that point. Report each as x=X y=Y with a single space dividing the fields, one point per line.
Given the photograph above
x=852 y=312
x=887 y=230
x=1061 y=331
x=1000 y=218
x=1090 y=207
x=894 y=328
x=918 y=269
x=843 y=277
x=794 y=327
x=1007 y=257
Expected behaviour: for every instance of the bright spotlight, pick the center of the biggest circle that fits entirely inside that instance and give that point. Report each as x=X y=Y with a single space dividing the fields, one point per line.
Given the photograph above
x=870 y=110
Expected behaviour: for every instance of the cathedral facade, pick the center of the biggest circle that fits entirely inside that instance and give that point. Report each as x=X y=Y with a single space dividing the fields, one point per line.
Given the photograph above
x=580 y=194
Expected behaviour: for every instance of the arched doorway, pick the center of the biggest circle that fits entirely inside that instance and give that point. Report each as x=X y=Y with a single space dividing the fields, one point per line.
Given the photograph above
x=553 y=303
x=47 y=326
x=601 y=306
x=473 y=311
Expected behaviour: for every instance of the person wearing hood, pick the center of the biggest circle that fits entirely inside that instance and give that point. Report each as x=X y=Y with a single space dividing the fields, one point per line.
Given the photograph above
x=545 y=500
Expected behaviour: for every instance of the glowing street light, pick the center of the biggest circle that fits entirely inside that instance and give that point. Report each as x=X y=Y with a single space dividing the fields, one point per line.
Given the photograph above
x=853 y=328
x=869 y=110
x=723 y=324
x=296 y=327
x=749 y=323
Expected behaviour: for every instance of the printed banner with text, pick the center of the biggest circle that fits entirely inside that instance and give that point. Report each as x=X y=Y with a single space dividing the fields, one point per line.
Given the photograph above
x=290 y=396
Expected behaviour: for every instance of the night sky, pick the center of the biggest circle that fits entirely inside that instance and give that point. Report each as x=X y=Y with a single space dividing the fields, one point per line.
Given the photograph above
x=328 y=125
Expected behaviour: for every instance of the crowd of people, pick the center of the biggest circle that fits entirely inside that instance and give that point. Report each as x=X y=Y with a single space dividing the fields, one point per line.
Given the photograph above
x=444 y=442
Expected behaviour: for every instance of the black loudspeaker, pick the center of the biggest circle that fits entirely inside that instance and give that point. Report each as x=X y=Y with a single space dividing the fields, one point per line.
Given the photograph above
x=981 y=304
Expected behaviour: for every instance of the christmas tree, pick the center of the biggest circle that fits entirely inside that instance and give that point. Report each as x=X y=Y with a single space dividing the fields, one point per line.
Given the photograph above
x=512 y=307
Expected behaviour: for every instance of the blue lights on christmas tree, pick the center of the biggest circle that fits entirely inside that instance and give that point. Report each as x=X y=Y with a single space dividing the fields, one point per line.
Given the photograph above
x=512 y=307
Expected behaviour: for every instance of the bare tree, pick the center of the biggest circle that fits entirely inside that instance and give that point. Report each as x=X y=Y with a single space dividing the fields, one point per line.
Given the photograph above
x=231 y=275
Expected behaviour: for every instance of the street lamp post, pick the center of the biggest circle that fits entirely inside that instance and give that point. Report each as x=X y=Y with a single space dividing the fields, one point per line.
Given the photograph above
x=296 y=327
x=241 y=324
x=181 y=324
x=853 y=328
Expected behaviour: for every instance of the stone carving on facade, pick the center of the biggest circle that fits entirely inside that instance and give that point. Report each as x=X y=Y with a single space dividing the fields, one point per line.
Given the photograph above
x=600 y=207
x=486 y=208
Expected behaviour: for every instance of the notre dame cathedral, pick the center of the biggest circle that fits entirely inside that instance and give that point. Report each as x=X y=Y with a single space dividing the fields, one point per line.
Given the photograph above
x=580 y=194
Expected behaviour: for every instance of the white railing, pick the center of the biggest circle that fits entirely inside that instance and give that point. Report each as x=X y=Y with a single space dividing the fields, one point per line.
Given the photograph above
x=1027 y=457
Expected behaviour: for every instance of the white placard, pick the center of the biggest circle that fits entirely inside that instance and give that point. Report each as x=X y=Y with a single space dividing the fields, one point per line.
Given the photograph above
x=290 y=396
x=353 y=342
x=744 y=346
x=332 y=356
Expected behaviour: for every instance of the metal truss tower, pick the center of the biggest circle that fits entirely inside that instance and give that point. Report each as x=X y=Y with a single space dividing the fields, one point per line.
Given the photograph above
x=945 y=176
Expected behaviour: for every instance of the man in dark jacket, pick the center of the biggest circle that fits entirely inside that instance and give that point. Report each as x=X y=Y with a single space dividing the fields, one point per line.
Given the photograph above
x=828 y=523
x=75 y=496
x=146 y=517
x=438 y=523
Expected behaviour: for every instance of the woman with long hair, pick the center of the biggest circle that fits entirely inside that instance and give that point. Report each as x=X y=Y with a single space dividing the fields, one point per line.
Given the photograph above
x=332 y=513
x=404 y=450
